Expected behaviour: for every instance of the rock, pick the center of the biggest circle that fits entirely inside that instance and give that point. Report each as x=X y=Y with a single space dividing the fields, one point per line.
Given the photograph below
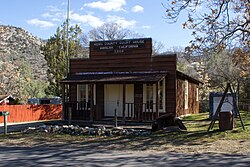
x=167 y=120
x=108 y=132
x=91 y=131
x=172 y=129
x=117 y=128
x=43 y=126
x=77 y=130
x=30 y=130
x=65 y=126
x=180 y=124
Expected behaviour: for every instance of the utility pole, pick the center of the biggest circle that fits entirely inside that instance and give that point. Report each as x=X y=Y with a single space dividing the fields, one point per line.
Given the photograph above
x=67 y=41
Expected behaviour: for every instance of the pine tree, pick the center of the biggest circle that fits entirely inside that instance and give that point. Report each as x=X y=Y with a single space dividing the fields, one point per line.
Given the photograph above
x=55 y=55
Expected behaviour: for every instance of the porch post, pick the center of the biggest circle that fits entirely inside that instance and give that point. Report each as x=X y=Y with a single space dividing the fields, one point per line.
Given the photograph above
x=91 y=103
x=157 y=101
x=123 y=102
x=63 y=102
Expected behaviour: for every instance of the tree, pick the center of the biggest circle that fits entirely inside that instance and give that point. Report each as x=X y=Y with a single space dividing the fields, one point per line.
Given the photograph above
x=222 y=69
x=216 y=24
x=55 y=55
x=17 y=80
x=229 y=67
x=111 y=31
x=157 y=47
x=242 y=60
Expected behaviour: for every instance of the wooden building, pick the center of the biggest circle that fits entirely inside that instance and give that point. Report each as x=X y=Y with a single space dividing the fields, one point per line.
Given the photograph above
x=6 y=99
x=123 y=77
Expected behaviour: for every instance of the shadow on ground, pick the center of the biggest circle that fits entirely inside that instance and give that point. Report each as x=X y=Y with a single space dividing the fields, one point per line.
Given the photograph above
x=67 y=156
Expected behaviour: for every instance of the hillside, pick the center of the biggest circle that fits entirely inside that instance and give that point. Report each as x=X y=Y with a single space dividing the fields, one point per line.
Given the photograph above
x=17 y=45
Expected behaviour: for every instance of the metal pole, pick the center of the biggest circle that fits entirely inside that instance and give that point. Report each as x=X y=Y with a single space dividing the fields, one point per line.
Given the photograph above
x=115 y=118
x=5 y=124
x=67 y=41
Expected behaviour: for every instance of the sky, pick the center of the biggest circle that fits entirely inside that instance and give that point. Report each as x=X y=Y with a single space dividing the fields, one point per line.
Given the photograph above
x=42 y=17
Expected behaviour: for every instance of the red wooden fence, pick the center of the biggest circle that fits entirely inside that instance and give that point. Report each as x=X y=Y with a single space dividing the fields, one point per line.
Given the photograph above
x=27 y=113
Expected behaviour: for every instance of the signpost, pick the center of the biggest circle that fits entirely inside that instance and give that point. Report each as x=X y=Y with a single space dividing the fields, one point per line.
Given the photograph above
x=5 y=114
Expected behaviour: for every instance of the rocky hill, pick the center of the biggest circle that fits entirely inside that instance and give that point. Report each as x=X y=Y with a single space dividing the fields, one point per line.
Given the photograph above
x=17 y=45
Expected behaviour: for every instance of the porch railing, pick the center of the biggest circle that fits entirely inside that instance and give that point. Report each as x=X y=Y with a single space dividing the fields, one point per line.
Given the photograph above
x=133 y=111
x=79 y=110
x=140 y=111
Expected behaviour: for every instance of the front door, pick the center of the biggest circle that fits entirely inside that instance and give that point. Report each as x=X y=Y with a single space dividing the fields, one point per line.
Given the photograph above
x=113 y=100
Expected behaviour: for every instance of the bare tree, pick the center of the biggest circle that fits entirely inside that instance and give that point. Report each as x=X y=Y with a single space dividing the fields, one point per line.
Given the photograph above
x=217 y=24
x=158 y=47
x=111 y=31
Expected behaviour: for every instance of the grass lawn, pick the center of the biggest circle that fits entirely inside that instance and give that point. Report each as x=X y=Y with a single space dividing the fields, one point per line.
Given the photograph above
x=198 y=125
x=195 y=139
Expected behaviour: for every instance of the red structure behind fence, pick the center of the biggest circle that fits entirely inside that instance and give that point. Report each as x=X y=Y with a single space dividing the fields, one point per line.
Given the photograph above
x=27 y=113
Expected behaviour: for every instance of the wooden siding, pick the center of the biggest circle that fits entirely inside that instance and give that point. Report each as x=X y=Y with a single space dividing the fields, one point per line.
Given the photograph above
x=73 y=92
x=133 y=63
x=193 y=105
x=180 y=98
x=138 y=94
x=99 y=112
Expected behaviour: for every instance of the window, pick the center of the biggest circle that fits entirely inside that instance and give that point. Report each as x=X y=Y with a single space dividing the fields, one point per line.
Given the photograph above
x=83 y=96
x=197 y=94
x=186 y=94
x=150 y=96
x=161 y=95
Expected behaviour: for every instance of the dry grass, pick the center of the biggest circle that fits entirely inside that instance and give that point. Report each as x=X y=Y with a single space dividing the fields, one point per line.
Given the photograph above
x=195 y=140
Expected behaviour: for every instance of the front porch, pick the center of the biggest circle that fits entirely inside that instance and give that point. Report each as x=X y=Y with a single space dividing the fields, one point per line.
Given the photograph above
x=134 y=96
x=133 y=112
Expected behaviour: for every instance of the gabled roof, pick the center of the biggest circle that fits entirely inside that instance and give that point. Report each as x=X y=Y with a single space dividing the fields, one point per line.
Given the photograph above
x=3 y=97
x=116 y=77
x=185 y=76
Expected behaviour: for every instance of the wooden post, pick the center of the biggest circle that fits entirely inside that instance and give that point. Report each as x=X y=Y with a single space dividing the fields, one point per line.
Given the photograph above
x=157 y=101
x=123 y=102
x=235 y=106
x=91 y=103
x=5 y=124
x=63 y=102
x=69 y=115
x=116 y=118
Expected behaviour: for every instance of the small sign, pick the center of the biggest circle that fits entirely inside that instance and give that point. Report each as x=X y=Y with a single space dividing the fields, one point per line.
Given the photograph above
x=3 y=113
x=214 y=101
x=120 y=46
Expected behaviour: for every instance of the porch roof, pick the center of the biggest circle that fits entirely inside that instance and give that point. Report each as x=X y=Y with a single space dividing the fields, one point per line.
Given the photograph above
x=116 y=77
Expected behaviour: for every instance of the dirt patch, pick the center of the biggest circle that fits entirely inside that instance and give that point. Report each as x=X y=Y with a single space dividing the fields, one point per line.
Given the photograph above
x=126 y=143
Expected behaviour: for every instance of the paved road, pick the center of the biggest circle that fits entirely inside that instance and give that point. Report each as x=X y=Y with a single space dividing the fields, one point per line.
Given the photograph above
x=62 y=155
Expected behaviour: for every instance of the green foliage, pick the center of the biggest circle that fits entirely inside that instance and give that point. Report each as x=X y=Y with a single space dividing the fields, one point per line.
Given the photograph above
x=55 y=55
x=29 y=86
x=36 y=88
x=16 y=79
x=222 y=69
x=246 y=89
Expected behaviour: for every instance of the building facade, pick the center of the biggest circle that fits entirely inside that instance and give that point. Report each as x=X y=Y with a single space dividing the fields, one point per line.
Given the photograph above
x=124 y=78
